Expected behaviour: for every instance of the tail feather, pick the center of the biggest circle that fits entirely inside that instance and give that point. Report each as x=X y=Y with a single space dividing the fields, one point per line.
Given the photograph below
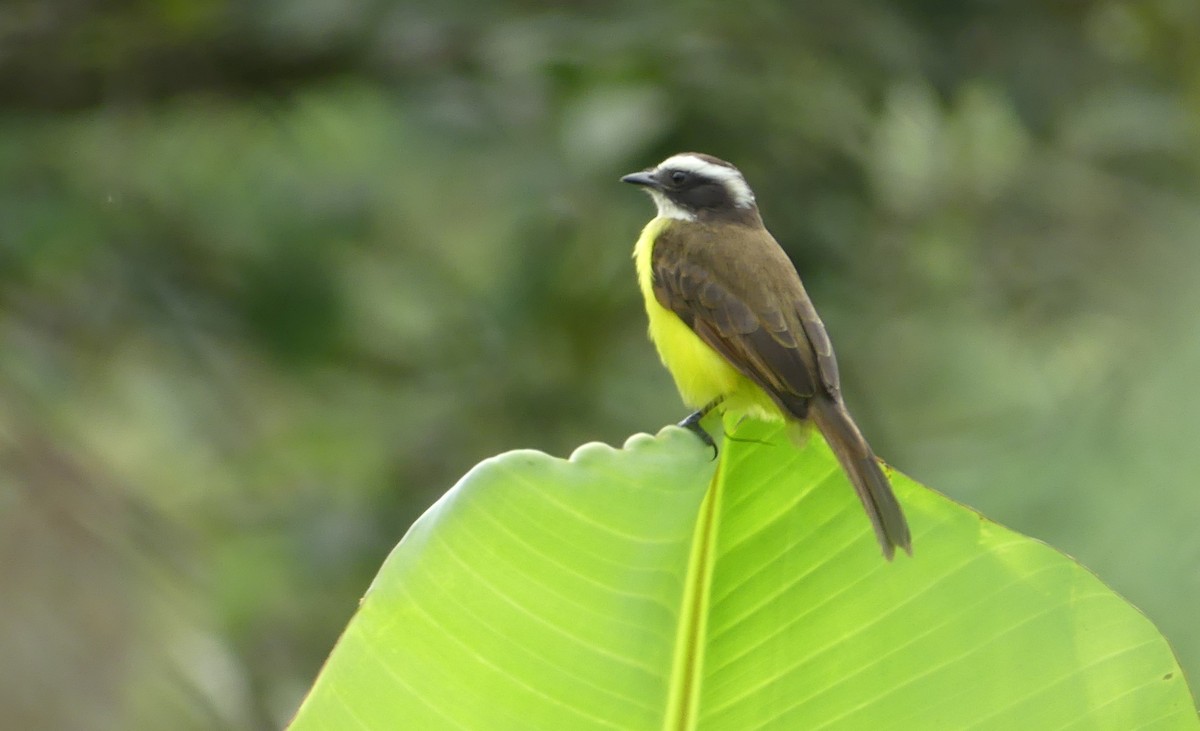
x=863 y=469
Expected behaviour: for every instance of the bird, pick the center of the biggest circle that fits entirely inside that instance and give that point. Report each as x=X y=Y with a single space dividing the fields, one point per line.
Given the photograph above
x=734 y=326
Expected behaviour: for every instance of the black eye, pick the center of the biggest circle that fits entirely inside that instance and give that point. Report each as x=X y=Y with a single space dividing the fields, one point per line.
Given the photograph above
x=679 y=177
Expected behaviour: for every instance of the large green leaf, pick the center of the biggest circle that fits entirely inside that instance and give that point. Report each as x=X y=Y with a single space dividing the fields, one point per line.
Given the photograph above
x=652 y=588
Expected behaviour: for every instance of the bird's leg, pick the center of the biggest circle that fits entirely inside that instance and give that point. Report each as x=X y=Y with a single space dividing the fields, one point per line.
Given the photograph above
x=692 y=423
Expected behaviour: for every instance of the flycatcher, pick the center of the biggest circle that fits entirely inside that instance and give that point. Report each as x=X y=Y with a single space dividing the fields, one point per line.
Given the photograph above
x=734 y=326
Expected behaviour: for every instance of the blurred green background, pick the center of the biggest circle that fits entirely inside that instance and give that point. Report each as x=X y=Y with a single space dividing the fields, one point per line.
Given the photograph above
x=273 y=275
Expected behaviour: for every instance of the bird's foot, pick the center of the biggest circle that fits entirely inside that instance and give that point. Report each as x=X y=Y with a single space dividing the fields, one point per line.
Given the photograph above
x=692 y=424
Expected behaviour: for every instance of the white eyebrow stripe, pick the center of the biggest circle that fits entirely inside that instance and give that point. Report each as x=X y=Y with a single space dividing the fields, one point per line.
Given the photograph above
x=733 y=181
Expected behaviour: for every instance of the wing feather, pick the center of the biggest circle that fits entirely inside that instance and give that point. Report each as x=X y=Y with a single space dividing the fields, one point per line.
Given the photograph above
x=769 y=331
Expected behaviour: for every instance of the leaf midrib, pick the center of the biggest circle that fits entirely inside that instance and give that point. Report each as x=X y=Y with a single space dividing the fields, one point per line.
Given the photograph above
x=687 y=664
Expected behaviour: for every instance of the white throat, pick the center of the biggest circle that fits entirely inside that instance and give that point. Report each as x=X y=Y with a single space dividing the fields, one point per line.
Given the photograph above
x=669 y=209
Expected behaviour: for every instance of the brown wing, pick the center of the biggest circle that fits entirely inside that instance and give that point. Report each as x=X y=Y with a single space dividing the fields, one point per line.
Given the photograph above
x=819 y=339
x=739 y=292
x=767 y=328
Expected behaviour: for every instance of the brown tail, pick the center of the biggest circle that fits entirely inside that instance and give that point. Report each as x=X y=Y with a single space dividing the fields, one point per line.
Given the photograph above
x=863 y=469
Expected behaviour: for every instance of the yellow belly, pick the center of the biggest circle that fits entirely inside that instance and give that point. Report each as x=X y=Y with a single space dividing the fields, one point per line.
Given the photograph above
x=701 y=374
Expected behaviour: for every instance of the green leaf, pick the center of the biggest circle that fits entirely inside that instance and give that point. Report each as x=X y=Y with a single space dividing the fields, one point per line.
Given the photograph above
x=652 y=588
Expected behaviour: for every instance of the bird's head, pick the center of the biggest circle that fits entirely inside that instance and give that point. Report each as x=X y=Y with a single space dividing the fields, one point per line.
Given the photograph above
x=691 y=185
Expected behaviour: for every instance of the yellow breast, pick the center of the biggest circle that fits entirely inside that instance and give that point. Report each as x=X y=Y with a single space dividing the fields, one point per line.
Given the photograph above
x=701 y=374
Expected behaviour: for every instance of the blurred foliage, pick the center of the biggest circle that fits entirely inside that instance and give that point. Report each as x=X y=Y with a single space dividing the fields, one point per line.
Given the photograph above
x=274 y=274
